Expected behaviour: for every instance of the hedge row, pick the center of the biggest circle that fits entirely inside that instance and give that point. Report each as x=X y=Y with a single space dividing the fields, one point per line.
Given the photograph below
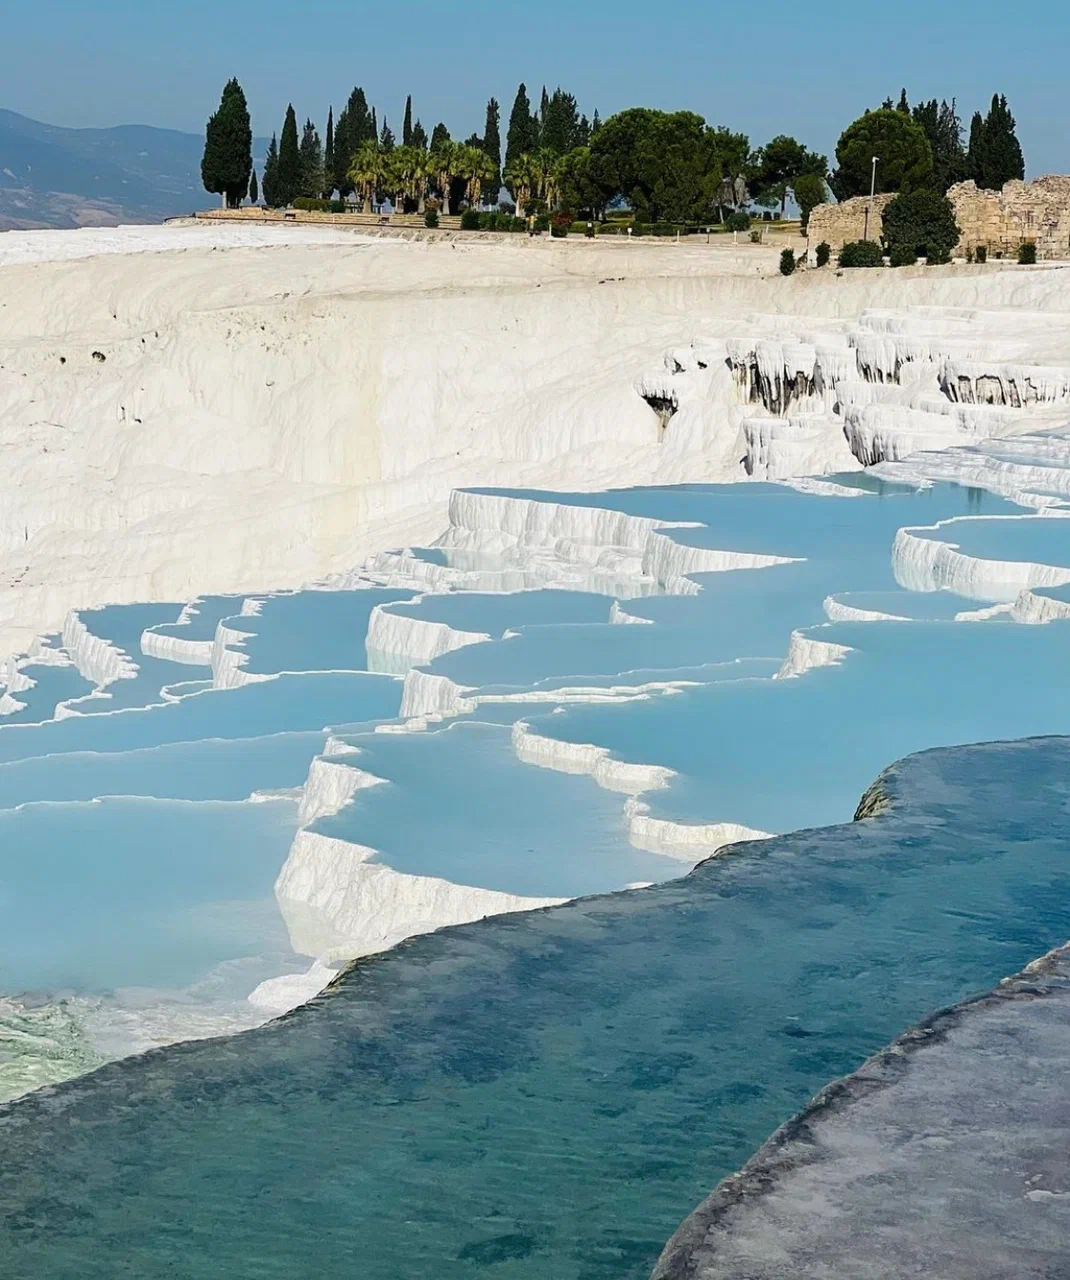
x=307 y=205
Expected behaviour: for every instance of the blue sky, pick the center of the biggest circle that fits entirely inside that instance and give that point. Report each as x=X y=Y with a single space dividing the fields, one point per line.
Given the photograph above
x=778 y=66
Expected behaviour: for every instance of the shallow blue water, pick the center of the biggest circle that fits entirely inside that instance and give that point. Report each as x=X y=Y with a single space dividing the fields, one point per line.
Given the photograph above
x=288 y=704
x=136 y=892
x=547 y=1095
x=310 y=630
x=1043 y=541
x=460 y=805
x=52 y=685
x=216 y=769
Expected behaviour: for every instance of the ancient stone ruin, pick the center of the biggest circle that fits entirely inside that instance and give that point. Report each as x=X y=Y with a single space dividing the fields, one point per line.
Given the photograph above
x=998 y=221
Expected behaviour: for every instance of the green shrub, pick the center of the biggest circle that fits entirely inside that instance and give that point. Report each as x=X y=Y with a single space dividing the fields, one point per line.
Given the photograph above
x=923 y=221
x=902 y=255
x=787 y=262
x=542 y=222
x=664 y=229
x=517 y=224
x=755 y=237
x=824 y=252
x=338 y=206
x=470 y=220
x=308 y=205
x=981 y=253
x=738 y=222
x=1027 y=253
x=861 y=253
x=431 y=218
x=640 y=228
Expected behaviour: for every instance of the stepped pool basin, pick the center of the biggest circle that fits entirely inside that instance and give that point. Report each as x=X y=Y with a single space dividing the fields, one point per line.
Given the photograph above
x=613 y=1041
x=569 y=695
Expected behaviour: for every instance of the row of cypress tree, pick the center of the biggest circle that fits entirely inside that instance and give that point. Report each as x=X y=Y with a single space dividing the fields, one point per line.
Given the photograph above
x=300 y=163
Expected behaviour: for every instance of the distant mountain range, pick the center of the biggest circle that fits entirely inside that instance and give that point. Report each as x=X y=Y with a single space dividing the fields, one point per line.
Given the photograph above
x=53 y=177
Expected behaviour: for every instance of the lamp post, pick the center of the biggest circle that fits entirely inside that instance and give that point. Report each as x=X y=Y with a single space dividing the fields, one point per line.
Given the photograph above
x=872 y=192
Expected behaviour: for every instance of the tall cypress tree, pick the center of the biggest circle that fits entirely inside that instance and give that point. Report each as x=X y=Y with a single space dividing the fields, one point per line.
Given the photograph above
x=944 y=131
x=1002 y=157
x=254 y=192
x=387 y=141
x=419 y=136
x=289 y=170
x=596 y=124
x=904 y=105
x=560 y=123
x=271 y=175
x=342 y=148
x=439 y=135
x=311 y=155
x=375 y=127
x=328 y=157
x=228 y=148
x=519 y=140
x=492 y=145
x=975 y=151
x=406 y=128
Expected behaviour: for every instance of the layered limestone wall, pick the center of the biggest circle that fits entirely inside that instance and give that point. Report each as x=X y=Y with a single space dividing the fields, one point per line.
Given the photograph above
x=997 y=220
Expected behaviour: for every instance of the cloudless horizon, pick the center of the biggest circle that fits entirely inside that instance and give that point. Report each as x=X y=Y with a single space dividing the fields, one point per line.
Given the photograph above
x=763 y=70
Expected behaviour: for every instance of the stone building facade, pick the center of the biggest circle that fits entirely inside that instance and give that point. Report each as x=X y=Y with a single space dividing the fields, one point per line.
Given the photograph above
x=998 y=220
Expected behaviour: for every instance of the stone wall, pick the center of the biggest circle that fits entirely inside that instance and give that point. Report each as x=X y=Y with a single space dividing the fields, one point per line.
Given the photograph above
x=838 y=224
x=998 y=220
x=1002 y=220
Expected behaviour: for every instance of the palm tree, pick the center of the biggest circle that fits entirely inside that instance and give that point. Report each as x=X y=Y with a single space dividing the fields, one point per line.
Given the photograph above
x=447 y=162
x=408 y=175
x=545 y=163
x=479 y=168
x=521 y=178
x=366 y=171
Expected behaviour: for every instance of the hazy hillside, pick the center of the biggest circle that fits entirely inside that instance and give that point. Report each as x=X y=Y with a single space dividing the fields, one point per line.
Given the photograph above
x=53 y=177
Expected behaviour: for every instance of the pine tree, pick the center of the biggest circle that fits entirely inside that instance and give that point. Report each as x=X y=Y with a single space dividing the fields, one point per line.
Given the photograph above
x=328 y=157
x=903 y=106
x=271 y=175
x=492 y=145
x=419 y=136
x=311 y=156
x=254 y=192
x=387 y=140
x=1002 y=157
x=521 y=138
x=289 y=169
x=584 y=132
x=228 y=148
x=406 y=128
x=596 y=124
x=439 y=135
